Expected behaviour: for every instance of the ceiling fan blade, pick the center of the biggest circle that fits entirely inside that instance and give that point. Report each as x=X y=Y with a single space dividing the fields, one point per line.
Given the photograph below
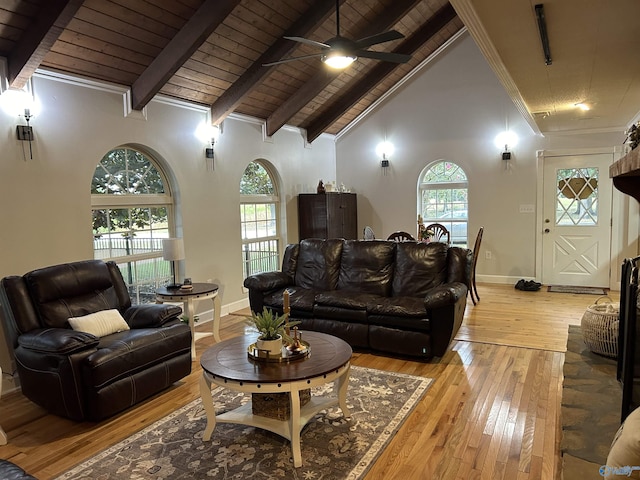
x=287 y=60
x=379 y=38
x=309 y=42
x=386 y=56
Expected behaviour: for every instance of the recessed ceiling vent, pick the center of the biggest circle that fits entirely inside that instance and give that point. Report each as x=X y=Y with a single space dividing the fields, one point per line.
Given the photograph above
x=541 y=115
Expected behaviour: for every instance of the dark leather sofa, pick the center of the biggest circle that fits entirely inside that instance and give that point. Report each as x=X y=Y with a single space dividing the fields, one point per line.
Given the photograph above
x=404 y=298
x=75 y=374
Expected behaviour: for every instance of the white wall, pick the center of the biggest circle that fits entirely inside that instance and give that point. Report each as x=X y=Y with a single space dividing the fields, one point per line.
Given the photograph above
x=453 y=109
x=45 y=216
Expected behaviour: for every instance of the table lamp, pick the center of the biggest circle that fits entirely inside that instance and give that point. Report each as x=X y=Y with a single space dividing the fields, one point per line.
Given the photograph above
x=173 y=250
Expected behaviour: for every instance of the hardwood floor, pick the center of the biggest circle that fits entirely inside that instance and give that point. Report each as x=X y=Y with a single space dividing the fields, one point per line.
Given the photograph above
x=492 y=411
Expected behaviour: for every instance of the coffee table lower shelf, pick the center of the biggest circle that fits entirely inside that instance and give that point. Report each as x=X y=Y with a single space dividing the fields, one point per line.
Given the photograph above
x=299 y=415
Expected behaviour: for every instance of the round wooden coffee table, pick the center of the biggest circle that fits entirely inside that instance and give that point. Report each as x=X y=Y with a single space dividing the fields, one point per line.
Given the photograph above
x=227 y=364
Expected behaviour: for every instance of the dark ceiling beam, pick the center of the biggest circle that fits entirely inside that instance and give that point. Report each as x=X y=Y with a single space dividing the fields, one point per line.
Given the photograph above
x=190 y=37
x=251 y=78
x=368 y=82
x=53 y=16
x=323 y=77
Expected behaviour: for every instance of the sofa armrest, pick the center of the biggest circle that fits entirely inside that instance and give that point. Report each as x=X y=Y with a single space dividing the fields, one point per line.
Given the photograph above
x=62 y=341
x=266 y=281
x=151 y=315
x=446 y=294
x=445 y=306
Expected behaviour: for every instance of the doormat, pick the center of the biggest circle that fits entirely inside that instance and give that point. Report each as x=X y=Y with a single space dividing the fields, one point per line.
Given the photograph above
x=333 y=448
x=572 y=289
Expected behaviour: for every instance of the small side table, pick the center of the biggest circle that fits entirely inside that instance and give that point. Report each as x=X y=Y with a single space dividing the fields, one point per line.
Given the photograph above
x=3 y=436
x=200 y=291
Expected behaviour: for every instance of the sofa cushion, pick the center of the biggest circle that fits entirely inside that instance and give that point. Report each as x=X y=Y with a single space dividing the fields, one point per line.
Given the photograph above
x=100 y=324
x=124 y=353
x=318 y=263
x=625 y=449
x=71 y=290
x=398 y=306
x=299 y=299
x=367 y=267
x=418 y=268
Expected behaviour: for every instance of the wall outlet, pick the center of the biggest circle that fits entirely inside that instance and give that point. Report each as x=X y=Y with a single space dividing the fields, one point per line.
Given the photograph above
x=488 y=255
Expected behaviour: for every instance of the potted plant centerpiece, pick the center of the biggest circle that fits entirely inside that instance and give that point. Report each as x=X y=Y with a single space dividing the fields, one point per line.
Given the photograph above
x=272 y=329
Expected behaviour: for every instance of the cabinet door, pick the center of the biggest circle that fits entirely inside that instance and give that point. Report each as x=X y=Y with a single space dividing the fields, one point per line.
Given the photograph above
x=341 y=216
x=312 y=216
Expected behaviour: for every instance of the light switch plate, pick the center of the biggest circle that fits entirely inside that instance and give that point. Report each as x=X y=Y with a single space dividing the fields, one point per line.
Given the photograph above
x=527 y=208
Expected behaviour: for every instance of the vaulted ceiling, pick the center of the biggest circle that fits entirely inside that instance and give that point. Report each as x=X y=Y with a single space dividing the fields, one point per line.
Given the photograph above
x=212 y=52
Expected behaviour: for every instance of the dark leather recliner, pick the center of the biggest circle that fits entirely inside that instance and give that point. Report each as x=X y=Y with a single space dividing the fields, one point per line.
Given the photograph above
x=75 y=374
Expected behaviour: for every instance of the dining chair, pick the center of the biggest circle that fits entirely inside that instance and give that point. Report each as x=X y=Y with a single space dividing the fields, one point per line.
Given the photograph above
x=368 y=233
x=476 y=252
x=440 y=233
x=401 y=236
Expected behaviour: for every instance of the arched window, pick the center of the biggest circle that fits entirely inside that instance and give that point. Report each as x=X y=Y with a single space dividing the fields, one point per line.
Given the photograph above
x=132 y=213
x=259 y=209
x=443 y=199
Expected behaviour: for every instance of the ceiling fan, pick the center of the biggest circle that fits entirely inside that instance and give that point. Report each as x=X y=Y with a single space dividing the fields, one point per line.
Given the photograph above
x=340 y=52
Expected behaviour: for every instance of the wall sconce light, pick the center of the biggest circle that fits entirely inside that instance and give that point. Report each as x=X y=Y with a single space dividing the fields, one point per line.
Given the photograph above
x=25 y=132
x=213 y=134
x=385 y=150
x=508 y=140
x=21 y=104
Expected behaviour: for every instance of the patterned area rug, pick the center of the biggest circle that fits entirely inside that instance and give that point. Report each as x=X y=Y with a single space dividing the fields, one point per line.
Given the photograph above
x=572 y=289
x=332 y=447
x=591 y=403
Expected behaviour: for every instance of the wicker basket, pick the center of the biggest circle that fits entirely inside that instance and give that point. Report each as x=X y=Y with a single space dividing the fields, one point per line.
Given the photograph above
x=599 y=327
x=276 y=405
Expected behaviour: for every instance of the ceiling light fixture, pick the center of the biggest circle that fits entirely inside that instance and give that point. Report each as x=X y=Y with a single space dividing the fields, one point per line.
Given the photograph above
x=544 y=37
x=582 y=106
x=338 y=59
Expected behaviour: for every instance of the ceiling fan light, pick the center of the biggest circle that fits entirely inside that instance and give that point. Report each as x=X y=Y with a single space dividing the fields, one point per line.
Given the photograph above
x=338 y=60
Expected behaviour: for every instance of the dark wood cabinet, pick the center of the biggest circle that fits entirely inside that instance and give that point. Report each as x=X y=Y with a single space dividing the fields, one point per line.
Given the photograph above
x=327 y=215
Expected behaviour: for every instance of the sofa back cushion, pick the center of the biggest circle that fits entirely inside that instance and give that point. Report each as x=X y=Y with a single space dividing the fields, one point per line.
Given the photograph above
x=367 y=266
x=71 y=290
x=318 y=263
x=419 y=268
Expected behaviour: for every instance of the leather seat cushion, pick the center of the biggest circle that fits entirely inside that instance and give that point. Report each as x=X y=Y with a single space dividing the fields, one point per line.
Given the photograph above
x=124 y=353
x=398 y=306
x=300 y=299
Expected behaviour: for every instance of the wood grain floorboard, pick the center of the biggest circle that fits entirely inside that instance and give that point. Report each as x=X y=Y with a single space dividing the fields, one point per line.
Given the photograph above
x=492 y=412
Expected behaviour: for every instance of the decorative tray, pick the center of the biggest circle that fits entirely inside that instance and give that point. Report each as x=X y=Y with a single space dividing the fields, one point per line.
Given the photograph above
x=289 y=353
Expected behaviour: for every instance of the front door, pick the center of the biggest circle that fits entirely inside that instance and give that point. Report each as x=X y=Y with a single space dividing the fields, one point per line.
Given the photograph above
x=576 y=220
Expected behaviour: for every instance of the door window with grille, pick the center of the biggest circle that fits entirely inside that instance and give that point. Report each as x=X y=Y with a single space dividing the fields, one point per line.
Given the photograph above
x=259 y=210
x=132 y=213
x=577 y=196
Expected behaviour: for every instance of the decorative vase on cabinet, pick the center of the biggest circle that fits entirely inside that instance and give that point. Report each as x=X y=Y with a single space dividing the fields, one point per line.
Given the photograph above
x=329 y=215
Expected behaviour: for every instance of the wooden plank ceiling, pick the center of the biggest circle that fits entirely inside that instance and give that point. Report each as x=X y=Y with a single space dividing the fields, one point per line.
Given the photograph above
x=212 y=52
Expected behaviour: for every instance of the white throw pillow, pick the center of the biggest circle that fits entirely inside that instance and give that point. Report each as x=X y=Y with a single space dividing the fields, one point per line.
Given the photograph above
x=100 y=323
x=624 y=457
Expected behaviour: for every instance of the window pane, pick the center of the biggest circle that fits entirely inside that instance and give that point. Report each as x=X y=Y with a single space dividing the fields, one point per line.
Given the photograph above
x=577 y=197
x=133 y=232
x=443 y=201
x=260 y=251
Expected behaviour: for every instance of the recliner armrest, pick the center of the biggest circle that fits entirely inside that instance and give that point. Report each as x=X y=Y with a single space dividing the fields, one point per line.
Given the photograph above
x=446 y=294
x=268 y=281
x=150 y=315
x=62 y=341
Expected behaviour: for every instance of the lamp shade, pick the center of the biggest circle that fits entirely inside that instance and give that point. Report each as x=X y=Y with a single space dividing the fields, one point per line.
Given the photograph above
x=173 y=249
